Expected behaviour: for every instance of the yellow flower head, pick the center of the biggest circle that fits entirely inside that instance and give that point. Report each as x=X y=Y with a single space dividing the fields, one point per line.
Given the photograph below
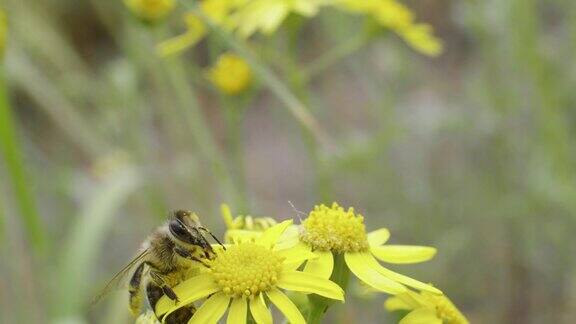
x=3 y=32
x=243 y=274
x=231 y=74
x=150 y=11
x=330 y=231
x=425 y=307
x=334 y=229
x=244 y=226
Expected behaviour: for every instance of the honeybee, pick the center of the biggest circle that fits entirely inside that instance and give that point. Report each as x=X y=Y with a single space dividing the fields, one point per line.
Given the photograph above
x=165 y=259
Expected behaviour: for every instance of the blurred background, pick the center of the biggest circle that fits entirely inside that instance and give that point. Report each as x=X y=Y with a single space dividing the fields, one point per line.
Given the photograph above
x=471 y=151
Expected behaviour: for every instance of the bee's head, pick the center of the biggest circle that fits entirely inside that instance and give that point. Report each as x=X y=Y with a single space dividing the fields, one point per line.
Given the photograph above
x=180 y=232
x=182 y=227
x=186 y=217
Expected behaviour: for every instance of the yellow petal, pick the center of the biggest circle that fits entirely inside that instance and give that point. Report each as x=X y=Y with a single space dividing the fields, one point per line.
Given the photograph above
x=421 y=316
x=306 y=8
x=271 y=235
x=395 y=303
x=188 y=292
x=402 y=254
x=289 y=238
x=321 y=266
x=260 y=312
x=240 y=235
x=407 y=300
x=305 y=282
x=358 y=266
x=237 y=312
x=296 y=255
x=378 y=237
x=178 y=44
x=286 y=306
x=211 y=310
x=227 y=215
x=371 y=262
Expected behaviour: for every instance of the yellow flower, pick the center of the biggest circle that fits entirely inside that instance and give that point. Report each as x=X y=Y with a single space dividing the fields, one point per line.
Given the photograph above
x=217 y=10
x=399 y=18
x=267 y=15
x=244 y=226
x=330 y=231
x=150 y=11
x=246 y=274
x=425 y=308
x=3 y=32
x=231 y=74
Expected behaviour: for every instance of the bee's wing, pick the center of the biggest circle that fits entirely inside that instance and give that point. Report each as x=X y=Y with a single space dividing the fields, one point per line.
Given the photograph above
x=120 y=276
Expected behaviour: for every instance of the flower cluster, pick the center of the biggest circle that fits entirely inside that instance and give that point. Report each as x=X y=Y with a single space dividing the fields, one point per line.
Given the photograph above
x=262 y=260
x=248 y=17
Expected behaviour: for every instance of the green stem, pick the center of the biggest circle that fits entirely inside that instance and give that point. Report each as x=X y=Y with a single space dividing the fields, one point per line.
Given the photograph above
x=12 y=152
x=334 y=55
x=268 y=78
x=62 y=112
x=234 y=120
x=197 y=124
x=319 y=305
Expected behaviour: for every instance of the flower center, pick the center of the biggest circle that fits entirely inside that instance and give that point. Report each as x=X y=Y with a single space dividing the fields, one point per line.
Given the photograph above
x=246 y=269
x=334 y=229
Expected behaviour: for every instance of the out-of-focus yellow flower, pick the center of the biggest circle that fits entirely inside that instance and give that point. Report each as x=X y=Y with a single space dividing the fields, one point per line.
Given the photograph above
x=244 y=226
x=399 y=18
x=330 y=231
x=150 y=11
x=266 y=15
x=421 y=38
x=242 y=275
x=426 y=308
x=217 y=10
x=3 y=32
x=231 y=74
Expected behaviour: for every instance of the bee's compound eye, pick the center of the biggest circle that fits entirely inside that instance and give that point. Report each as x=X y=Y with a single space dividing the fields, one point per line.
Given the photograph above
x=180 y=232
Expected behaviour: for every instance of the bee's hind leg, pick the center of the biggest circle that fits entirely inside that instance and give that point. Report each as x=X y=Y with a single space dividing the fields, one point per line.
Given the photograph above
x=166 y=290
x=135 y=290
x=179 y=316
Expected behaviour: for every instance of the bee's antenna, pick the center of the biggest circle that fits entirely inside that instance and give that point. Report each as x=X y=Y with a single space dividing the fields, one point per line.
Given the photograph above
x=214 y=237
x=298 y=213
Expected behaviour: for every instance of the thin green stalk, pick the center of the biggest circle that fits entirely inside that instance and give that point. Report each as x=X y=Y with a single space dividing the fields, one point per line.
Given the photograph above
x=58 y=108
x=12 y=153
x=197 y=124
x=319 y=305
x=301 y=89
x=268 y=78
x=334 y=56
x=234 y=122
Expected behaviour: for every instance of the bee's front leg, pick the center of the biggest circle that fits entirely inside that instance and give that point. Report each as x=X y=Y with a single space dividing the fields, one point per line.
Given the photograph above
x=188 y=255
